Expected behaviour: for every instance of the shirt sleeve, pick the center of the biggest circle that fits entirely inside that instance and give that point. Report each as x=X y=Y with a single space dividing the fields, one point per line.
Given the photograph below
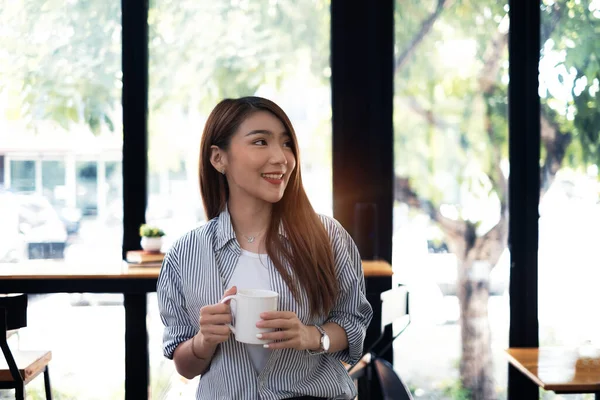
x=352 y=311
x=172 y=306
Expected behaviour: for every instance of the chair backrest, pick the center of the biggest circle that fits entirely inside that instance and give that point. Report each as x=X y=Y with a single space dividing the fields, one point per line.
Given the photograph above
x=394 y=305
x=375 y=376
x=392 y=387
x=13 y=312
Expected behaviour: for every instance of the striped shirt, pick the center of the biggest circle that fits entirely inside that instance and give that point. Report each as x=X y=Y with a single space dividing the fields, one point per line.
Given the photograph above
x=196 y=272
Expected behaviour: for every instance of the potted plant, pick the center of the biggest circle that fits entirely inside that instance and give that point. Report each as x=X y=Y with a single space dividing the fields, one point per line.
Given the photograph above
x=151 y=237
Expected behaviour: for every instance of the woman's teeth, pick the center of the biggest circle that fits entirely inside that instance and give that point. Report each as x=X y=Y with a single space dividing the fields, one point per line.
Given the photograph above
x=272 y=176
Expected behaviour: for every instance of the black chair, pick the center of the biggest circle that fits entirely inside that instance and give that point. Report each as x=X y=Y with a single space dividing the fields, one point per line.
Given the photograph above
x=18 y=368
x=374 y=375
x=392 y=387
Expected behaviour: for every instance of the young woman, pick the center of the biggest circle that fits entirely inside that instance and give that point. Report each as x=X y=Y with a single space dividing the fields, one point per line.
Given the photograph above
x=262 y=234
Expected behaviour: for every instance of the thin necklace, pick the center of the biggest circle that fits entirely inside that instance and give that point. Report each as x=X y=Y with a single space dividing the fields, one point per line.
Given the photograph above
x=251 y=239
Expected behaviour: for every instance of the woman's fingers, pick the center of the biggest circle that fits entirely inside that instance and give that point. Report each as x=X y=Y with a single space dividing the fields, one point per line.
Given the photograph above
x=215 y=319
x=287 y=326
x=217 y=330
x=215 y=309
x=230 y=291
x=279 y=335
x=270 y=315
x=284 y=344
x=276 y=324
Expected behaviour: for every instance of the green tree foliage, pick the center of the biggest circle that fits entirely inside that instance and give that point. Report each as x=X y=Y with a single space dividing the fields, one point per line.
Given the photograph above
x=571 y=53
x=204 y=51
x=228 y=49
x=61 y=62
x=451 y=105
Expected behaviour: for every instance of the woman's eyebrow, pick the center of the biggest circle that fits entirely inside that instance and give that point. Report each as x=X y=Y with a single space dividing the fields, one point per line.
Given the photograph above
x=265 y=132
x=259 y=131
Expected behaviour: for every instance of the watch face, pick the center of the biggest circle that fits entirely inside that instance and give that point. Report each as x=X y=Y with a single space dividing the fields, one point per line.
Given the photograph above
x=325 y=342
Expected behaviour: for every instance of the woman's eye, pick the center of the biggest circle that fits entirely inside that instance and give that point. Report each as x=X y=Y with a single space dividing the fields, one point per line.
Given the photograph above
x=260 y=142
x=287 y=144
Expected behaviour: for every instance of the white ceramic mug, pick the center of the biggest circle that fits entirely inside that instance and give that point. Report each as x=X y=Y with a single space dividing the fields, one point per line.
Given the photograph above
x=249 y=304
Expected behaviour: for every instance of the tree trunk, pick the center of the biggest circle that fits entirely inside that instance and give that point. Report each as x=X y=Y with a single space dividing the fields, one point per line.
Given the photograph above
x=476 y=256
x=476 y=366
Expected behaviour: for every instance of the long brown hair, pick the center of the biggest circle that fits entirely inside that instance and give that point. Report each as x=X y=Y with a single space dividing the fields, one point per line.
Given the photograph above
x=309 y=253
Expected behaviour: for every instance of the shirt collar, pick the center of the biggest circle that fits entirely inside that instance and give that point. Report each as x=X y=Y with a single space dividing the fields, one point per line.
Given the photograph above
x=225 y=232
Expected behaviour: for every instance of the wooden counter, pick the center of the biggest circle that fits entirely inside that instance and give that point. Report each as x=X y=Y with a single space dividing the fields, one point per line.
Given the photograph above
x=376 y=268
x=44 y=269
x=560 y=369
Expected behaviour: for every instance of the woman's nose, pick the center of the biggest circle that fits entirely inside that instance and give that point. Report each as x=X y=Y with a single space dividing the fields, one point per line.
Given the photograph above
x=278 y=155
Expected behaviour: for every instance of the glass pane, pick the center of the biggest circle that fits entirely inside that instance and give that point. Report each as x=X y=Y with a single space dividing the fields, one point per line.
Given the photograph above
x=22 y=175
x=450 y=213
x=278 y=50
x=113 y=194
x=570 y=196
x=60 y=125
x=53 y=182
x=60 y=155
x=274 y=49
x=87 y=188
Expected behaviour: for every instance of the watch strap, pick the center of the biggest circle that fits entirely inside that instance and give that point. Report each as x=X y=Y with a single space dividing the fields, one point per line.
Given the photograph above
x=321 y=349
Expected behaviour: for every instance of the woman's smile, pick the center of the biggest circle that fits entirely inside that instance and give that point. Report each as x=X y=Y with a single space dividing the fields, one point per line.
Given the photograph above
x=274 y=178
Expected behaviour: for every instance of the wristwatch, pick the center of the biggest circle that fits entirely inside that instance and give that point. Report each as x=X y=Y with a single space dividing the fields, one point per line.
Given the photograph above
x=324 y=342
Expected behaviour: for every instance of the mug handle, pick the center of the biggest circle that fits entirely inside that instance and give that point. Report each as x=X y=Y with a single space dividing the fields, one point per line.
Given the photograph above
x=232 y=297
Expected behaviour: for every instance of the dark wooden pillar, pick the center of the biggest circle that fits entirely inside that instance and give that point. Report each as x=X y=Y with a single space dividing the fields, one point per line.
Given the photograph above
x=362 y=65
x=524 y=185
x=135 y=119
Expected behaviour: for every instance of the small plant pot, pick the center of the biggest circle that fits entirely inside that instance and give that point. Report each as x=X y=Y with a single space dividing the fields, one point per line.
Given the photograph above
x=152 y=244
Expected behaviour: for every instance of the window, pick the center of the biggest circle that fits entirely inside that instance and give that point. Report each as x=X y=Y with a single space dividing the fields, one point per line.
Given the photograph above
x=22 y=175
x=274 y=49
x=60 y=124
x=278 y=50
x=60 y=157
x=570 y=194
x=450 y=214
x=53 y=177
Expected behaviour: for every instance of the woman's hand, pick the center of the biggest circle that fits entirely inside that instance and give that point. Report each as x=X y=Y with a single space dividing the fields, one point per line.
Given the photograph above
x=214 y=320
x=193 y=357
x=293 y=334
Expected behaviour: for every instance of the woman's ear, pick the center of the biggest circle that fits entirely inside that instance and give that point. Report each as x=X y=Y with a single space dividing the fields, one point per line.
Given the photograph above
x=218 y=159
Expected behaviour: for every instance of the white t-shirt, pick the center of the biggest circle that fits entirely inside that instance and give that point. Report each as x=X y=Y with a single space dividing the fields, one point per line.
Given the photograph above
x=251 y=272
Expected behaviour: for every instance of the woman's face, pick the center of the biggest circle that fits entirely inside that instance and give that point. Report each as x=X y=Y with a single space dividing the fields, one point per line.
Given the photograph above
x=259 y=160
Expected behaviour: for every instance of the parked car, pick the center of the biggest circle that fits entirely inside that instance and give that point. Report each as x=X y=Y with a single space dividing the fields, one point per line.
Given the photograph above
x=31 y=228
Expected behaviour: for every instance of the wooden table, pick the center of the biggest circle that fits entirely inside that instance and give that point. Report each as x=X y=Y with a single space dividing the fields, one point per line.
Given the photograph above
x=376 y=268
x=559 y=369
x=47 y=276
x=57 y=271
